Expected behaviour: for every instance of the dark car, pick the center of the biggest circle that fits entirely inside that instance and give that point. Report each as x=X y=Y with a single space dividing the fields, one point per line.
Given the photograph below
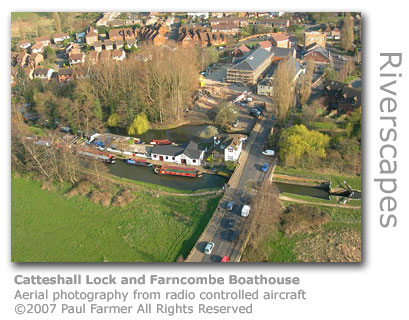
x=230 y=224
x=255 y=113
x=233 y=235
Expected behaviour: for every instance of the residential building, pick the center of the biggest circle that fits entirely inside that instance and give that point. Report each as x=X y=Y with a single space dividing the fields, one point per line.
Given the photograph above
x=65 y=75
x=109 y=45
x=24 y=44
x=119 y=44
x=131 y=43
x=342 y=97
x=241 y=51
x=118 y=55
x=204 y=15
x=231 y=145
x=43 y=73
x=189 y=155
x=265 y=44
x=116 y=34
x=60 y=37
x=317 y=54
x=37 y=48
x=315 y=37
x=76 y=58
x=35 y=59
x=281 y=24
x=250 y=68
x=45 y=40
x=91 y=37
x=280 y=40
x=21 y=58
x=108 y=16
x=230 y=28
x=97 y=46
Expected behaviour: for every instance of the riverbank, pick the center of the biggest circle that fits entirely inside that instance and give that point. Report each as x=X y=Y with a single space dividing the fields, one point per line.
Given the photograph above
x=151 y=228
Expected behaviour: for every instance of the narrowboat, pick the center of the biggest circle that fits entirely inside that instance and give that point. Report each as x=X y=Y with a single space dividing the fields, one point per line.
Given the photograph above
x=138 y=162
x=96 y=154
x=161 y=142
x=178 y=171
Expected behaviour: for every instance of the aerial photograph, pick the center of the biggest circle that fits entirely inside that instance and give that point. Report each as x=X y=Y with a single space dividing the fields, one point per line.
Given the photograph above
x=186 y=137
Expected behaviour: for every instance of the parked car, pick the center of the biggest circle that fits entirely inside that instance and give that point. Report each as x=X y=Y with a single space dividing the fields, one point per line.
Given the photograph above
x=245 y=211
x=233 y=235
x=225 y=259
x=268 y=152
x=255 y=113
x=209 y=247
x=230 y=206
x=248 y=99
x=265 y=167
x=230 y=224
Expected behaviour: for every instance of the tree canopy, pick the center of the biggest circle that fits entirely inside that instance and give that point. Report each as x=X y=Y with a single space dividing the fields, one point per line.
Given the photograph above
x=298 y=145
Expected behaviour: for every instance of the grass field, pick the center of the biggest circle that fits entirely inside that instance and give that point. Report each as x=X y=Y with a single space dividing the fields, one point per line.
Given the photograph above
x=337 y=240
x=27 y=15
x=49 y=227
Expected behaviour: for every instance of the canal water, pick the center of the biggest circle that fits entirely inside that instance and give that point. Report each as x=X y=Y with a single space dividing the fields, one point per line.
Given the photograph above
x=146 y=174
x=309 y=191
x=178 y=135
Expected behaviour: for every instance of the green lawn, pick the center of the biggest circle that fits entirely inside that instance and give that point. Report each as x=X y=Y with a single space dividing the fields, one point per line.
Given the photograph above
x=48 y=227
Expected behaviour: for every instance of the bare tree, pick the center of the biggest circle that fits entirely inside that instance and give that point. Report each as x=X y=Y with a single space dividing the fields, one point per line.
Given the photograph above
x=263 y=220
x=306 y=83
x=347 y=33
x=283 y=89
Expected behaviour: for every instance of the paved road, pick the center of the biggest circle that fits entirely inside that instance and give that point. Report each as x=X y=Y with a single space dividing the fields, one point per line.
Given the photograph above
x=251 y=172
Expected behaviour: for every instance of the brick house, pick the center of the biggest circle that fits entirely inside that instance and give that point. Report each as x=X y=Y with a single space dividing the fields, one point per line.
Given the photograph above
x=60 y=37
x=91 y=37
x=317 y=54
x=97 y=46
x=65 y=75
x=118 y=55
x=21 y=58
x=280 y=40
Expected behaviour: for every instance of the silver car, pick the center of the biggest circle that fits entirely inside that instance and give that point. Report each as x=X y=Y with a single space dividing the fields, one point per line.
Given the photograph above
x=209 y=247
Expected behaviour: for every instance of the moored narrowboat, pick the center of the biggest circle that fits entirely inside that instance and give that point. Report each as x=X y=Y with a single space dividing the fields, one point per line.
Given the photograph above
x=178 y=171
x=138 y=162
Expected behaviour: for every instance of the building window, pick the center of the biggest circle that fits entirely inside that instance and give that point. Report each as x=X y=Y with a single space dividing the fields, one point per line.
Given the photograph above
x=173 y=158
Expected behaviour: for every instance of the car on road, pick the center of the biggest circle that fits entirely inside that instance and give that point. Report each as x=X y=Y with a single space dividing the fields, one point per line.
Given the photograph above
x=265 y=167
x=245 y=211
x=268 y=153
x=225 y=259
x=255 y=113
x=233 y=235
x=209 y=248
x=230 y=224
x=230 y=206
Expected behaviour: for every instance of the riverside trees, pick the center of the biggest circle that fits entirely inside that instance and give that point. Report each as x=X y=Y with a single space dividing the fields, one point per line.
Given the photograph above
x=159 y=83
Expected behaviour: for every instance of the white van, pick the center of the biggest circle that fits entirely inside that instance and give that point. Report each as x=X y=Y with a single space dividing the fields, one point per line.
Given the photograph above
x=245 y=211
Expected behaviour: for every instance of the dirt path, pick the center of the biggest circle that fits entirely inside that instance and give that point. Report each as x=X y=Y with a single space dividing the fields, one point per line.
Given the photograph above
x=319 y=203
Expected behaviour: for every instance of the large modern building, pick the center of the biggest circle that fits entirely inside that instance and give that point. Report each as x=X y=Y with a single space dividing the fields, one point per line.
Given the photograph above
x=249 y=69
